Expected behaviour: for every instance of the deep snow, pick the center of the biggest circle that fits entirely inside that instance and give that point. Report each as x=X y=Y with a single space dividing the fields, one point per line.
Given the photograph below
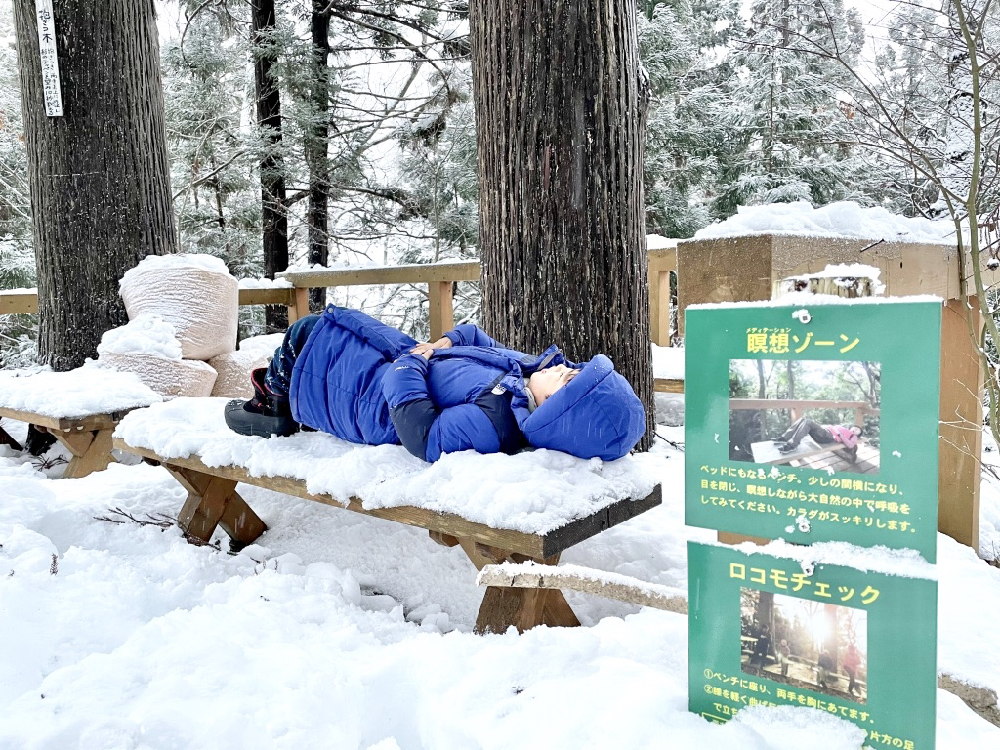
x=343 y=631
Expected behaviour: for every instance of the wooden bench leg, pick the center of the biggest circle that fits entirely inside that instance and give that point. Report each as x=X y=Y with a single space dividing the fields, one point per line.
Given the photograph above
x=524 y=609
x=521 y=607
x=6 y=439
x=212 y=501
x=91 y=451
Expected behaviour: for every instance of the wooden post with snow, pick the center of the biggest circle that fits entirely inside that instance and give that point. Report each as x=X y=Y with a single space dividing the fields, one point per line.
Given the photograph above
x=750 y=267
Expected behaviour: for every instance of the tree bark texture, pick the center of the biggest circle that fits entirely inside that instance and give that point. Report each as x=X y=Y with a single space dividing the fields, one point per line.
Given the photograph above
x=561 y=102
x=98 y=176
x=274 y=213
x=317 y=143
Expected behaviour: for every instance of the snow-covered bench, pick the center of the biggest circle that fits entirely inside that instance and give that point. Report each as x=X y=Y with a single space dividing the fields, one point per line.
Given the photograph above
x=531 y=506
x=80 y=408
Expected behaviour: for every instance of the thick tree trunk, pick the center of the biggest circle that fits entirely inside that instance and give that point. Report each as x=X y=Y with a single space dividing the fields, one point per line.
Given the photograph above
x=561 y=104
x=98 y=175
x=274 y=215
x=316 y=149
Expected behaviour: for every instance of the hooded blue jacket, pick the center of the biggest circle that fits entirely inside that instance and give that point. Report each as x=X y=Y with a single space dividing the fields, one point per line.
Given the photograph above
x=355 y=379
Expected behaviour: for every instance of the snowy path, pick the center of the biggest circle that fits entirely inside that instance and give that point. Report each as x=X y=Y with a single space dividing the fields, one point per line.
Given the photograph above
x=341 y=631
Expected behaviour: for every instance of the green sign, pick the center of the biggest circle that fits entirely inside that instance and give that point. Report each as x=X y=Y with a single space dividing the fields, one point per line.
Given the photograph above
x=775 y=396
x=859 y=645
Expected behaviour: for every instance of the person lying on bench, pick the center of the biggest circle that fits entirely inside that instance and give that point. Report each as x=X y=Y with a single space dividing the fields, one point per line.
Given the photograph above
x=824 y=434
x=347 y=374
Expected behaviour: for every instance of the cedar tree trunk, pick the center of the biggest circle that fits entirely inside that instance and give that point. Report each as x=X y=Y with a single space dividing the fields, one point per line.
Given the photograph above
x=561 y=103
x=274 y=216
x=98 y=175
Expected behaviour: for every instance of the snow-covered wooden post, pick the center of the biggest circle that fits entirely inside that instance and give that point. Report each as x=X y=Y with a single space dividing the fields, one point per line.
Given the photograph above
x=662 y=253
x=747 y=267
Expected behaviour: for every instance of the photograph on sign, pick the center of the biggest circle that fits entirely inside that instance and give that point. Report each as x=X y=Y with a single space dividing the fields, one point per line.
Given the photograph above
x=814 y=428
x=859 y=644
x=803 y=643
x=815 y=414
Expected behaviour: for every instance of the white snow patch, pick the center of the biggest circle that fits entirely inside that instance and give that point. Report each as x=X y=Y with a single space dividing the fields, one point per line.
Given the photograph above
x=145 y=334
x=264 y=283
x=91 y=389
x=668 y=362
x=841 y=219
x=180 y=260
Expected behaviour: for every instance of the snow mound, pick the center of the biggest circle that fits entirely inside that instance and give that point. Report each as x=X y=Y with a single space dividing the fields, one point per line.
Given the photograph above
x=534 y=492
x=841 y=219
x=264 y=283
x=146 y=334
x=177 y=261
x=668 y=362
x=263 y=345
x=91 y=389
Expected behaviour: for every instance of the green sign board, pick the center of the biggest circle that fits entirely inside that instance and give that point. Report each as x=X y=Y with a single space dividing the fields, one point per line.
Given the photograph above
x=775 y=398
x=858 y=645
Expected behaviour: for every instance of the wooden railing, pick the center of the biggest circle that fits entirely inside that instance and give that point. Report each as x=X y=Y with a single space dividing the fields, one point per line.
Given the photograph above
x=439 y=278
x=25 y=301
x=797 y=407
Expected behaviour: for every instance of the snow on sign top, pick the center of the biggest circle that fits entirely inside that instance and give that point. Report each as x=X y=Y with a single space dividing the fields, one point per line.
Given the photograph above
x=91 y=389
x=842 y=219
x=533 y=492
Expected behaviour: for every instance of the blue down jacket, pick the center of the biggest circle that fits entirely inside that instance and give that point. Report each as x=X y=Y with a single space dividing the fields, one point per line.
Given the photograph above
x=355 y=379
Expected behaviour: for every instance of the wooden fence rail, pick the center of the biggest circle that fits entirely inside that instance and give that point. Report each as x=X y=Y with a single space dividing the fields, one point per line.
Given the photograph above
x=439 y=278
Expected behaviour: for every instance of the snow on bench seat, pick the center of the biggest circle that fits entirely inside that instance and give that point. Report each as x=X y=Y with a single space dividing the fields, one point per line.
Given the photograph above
x=76 y=394
x=531 y=506
x=80 y=408
x=533 y=492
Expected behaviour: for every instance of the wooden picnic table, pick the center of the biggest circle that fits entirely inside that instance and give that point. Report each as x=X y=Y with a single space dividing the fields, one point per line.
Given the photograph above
x=88 y=437
x=213 y=501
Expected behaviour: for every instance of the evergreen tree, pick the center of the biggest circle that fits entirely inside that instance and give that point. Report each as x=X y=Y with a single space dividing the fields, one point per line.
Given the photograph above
x=791 y=138
x=212 y=155
x=682 y=44
x=17 y=263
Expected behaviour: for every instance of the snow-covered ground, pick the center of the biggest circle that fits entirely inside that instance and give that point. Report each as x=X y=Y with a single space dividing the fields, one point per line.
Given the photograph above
x=343 y=631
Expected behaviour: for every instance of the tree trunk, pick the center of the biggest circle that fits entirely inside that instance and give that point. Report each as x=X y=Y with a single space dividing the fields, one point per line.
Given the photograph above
x=561 y=103
x=98 y=175
x=316 y=149
x=274 y=216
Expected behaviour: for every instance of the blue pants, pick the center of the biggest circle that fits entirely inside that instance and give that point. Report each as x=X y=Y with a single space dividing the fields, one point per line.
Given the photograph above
x=279 y=374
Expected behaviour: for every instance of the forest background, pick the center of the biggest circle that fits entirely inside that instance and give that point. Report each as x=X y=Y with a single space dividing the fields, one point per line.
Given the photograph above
x=372 y=160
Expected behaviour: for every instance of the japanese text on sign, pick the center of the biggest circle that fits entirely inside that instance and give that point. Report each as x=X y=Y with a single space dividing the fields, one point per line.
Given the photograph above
x=782 y=341
x=797 y=581
x=51 y=87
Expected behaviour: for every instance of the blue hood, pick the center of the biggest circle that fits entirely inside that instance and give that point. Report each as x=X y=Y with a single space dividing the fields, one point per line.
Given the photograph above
x=596 y=414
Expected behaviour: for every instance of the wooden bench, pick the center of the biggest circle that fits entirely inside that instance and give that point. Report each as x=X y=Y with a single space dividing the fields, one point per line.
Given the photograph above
x=213 y=501
x=87 y=438
x=766 y=451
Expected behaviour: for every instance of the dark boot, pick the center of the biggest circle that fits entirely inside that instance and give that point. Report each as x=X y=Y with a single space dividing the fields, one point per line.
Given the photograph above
x=39 y=440
x=262 y=416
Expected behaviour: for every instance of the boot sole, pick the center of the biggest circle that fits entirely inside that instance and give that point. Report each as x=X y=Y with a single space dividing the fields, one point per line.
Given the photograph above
x=253 y=424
